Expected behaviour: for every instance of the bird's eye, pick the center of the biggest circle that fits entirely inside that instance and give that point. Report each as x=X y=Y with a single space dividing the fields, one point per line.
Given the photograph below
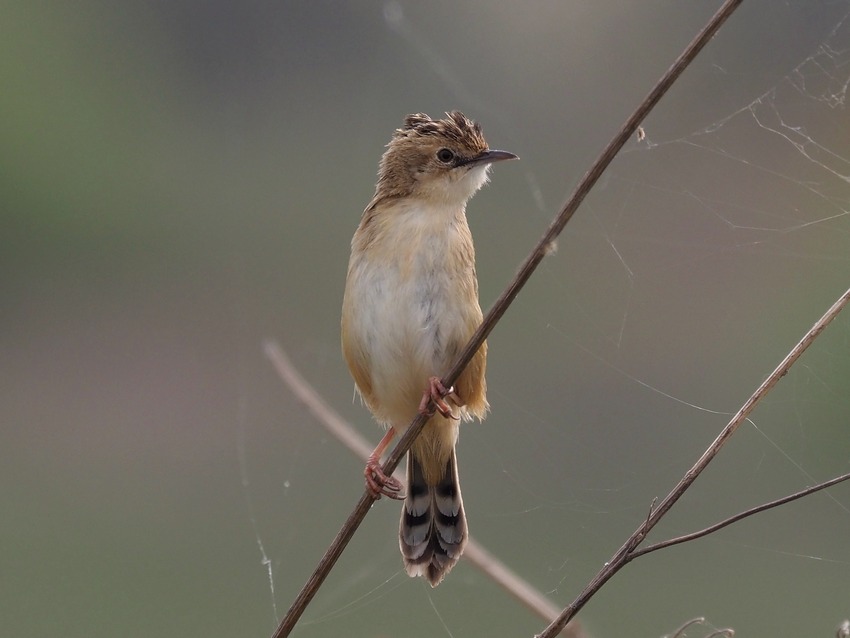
x=445 y=155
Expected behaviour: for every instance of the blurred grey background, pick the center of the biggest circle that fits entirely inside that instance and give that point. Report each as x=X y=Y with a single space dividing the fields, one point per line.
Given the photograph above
x=179 y=181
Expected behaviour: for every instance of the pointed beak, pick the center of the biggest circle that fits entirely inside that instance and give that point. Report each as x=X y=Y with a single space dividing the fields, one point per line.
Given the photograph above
x=488 y=157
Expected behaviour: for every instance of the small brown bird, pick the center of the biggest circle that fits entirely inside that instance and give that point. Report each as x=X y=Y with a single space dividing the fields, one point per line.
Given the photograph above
x=410 y=306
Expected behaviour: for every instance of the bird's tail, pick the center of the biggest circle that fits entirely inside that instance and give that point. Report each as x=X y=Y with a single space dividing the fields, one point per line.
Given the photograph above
x=432 y=532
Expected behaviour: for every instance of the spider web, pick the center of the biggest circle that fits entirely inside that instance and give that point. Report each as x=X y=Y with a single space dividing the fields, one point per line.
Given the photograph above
x=182 y=180
x=717 y=237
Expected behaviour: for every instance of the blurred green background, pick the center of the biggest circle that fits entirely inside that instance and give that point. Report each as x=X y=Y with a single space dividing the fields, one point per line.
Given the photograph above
x=179 y=181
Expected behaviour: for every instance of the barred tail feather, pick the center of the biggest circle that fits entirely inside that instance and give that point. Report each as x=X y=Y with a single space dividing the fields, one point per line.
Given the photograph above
x=432 y=532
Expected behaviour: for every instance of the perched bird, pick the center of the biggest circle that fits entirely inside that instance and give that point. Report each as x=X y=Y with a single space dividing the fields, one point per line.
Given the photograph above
x=410 y=306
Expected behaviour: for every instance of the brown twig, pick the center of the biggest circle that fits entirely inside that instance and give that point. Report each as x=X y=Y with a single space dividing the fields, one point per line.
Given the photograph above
x=475 y=553
x=495 y=313
x=628 y=552
x=740 y=516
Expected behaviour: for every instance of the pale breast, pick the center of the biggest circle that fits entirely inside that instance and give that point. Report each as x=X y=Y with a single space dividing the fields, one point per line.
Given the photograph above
x=413 y=304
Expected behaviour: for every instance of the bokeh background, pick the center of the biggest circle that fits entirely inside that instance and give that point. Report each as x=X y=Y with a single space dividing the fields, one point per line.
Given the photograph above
x=179 y=181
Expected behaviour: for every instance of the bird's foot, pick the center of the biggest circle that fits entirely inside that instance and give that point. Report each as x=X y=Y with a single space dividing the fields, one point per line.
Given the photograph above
x=437 y=393
x=379 y=483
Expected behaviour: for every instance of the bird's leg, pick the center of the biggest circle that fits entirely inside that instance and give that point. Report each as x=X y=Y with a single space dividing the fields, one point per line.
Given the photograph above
x=377 y=482
x=437 y=393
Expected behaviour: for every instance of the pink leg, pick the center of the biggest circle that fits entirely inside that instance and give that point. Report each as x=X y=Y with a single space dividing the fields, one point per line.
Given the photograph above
x=377 y=482
x=437 y=393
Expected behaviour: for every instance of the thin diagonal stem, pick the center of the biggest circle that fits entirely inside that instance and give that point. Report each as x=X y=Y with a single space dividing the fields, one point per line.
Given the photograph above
x=627 y=552
x=495 y=313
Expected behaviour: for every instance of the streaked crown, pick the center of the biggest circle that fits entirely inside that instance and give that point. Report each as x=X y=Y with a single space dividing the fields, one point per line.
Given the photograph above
x=444 y=160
